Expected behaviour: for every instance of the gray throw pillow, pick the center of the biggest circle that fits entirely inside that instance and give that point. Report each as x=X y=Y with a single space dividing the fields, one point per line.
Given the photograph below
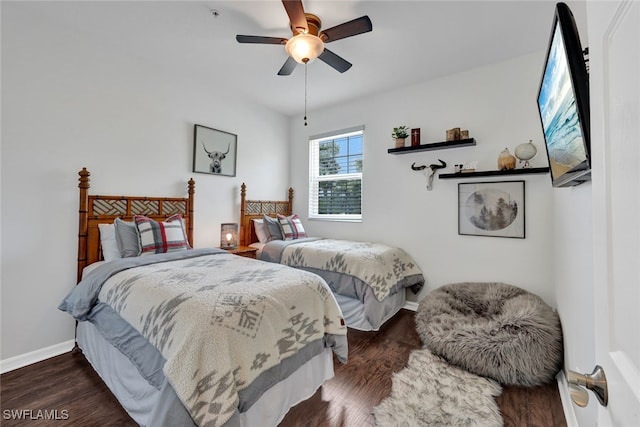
x=127 y=238
x=273 y=228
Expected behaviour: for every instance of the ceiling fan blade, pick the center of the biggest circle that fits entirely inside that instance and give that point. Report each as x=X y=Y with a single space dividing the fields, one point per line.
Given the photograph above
x=288 y=67
x=334 y=61
x=347 y=29
x=260 y=39
x=295 y=10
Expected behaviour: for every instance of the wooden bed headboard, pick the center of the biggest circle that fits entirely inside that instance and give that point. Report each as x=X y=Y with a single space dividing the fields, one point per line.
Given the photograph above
x=255 y=209
x=95 y=209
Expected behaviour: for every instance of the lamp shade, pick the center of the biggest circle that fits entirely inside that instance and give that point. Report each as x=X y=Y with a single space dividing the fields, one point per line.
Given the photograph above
x=304 y=47
x=229 y=235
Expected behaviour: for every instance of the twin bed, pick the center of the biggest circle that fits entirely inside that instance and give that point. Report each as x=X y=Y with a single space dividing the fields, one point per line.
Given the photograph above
x=369 y=280
x=187 y=336
x=198 y=336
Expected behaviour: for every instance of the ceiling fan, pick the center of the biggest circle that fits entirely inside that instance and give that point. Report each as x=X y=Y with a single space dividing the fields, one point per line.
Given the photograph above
x=308 y=41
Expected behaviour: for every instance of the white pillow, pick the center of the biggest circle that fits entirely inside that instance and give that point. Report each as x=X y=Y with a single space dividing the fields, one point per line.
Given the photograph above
x=108 y=242
x=261 y=232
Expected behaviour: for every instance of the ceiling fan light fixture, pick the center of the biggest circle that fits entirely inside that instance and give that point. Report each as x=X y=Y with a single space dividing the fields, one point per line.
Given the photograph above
x=304 y=47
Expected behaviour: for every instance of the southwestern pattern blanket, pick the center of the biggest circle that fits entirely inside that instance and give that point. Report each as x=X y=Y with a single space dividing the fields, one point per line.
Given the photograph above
x=385 y=269
x=220 y=320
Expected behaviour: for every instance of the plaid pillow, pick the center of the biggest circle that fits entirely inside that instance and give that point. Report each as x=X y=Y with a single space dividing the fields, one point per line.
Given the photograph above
x=291 y=227
x=159 y=237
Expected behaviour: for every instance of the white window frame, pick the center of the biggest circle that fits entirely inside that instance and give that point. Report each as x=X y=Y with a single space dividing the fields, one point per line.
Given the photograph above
x=315 y=178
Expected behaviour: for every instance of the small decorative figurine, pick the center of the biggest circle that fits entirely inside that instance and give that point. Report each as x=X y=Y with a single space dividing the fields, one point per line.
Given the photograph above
x=415 y=137
x=453 y=134
x=506 y=160
x=430 y=171
x=525 y=152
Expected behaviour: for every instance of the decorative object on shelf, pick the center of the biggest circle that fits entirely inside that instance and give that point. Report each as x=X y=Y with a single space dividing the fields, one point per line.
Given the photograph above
x=430 y=171
x=506 y=160
x=494 y=209
x=453 y=134
x=214 y=151
x=400 y=133
x=465 y=167
x=464 y=134
x=525 y=152
x=468 y=167
x=415 y=137
x=229 y=235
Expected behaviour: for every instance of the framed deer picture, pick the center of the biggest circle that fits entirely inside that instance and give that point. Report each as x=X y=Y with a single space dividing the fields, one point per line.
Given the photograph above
x=214 y=151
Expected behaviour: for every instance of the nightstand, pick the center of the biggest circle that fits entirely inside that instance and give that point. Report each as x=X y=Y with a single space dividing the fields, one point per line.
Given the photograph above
x=244 y=251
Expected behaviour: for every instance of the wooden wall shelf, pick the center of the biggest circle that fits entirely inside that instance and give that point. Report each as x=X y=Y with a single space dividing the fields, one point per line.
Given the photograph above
x=433 y=146
x=463 y=175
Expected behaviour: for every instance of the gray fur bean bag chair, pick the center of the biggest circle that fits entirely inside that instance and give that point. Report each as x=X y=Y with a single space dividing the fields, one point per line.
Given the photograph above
x=494 y=330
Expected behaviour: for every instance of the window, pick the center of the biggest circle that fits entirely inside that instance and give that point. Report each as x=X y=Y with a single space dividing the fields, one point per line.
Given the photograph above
x=335 y=175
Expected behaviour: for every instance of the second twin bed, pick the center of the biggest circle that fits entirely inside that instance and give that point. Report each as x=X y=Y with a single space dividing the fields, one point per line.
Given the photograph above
x=369 y=280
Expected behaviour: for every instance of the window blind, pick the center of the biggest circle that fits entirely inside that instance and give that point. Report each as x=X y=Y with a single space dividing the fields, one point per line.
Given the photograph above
x=335 y=175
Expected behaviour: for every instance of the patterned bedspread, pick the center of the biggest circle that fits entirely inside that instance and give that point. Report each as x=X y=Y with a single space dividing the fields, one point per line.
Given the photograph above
x=220 y=320
x=383 y=268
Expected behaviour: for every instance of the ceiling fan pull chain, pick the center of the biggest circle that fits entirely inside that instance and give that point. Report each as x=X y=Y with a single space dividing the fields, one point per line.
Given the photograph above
x=305 y=93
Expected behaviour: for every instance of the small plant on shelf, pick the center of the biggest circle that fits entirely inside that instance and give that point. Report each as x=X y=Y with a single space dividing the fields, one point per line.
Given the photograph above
x=400 y=132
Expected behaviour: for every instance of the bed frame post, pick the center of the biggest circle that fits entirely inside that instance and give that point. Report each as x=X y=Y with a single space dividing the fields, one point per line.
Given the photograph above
x=83 y=220
x=190 y=209
x=244 y=240
x=290 y=201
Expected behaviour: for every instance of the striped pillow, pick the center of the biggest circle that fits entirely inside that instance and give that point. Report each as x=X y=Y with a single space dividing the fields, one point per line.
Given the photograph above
x=291 y=227
x=159 y=237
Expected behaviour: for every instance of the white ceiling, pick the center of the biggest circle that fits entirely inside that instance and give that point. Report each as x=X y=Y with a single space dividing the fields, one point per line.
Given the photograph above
x=411 y=41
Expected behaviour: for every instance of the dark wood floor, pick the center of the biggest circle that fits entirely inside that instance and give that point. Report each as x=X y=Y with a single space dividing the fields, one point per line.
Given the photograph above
x=67 y=384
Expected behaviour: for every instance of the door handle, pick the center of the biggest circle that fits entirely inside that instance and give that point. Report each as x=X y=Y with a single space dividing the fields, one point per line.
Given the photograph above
x=595 y=381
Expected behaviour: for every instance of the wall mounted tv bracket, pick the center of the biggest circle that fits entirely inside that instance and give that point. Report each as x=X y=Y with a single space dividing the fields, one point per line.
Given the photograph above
x=585 y=55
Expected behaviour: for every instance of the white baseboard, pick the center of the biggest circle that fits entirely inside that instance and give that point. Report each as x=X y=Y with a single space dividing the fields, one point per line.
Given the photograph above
x=35 y=356
x=411 y=305
x=565 y=397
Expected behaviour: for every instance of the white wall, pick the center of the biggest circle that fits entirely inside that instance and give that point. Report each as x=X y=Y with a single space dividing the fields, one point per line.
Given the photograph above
x=66 y=104
x=497 y=104
x=573 y=249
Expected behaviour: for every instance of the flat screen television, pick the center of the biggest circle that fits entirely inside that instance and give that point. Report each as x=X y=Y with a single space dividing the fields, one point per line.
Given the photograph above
x=563 y=103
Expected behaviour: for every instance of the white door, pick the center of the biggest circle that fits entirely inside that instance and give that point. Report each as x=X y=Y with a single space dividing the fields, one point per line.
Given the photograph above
x=614 y=42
